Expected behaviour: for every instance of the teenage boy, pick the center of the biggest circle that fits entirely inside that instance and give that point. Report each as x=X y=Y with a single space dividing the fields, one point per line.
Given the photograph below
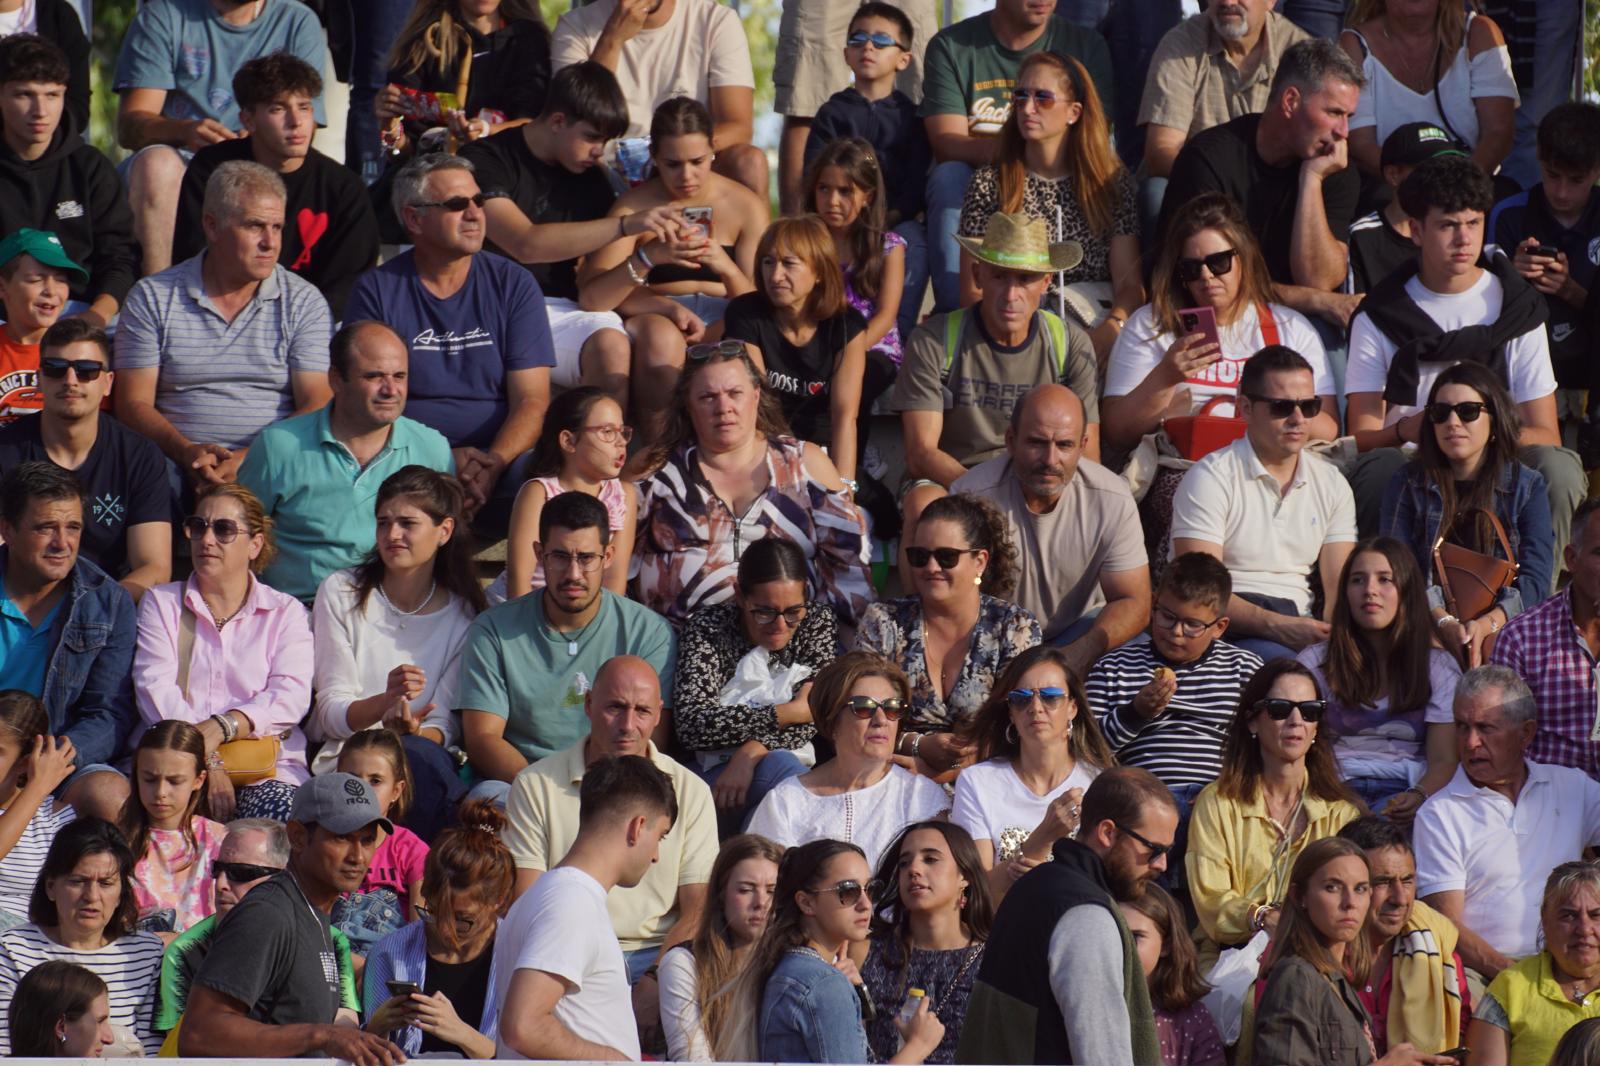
x=1165 y=705
x=1562 y=213
x=1457 y=304
x=51 y=180
x=35 y=272
x=330 y=234
x=1380 y=242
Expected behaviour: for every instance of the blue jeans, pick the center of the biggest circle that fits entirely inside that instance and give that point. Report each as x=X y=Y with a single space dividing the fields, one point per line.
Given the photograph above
x=916 y=238
x=371 y=27
x=774 y=768
x=496 y=792
x=638 y=961
x=1320 y=18
x=1376 y=792
x=1560 y=30
x=367 y=917
x=947 y=189
x=1133 y=29
x=1151 y=192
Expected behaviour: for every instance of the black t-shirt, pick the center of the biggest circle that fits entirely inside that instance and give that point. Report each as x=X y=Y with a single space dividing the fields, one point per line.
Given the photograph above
x=466 y=986
x=1224 y=159
x=802 y=375
x=545 y=192
x=124 y=477
x=510 y=73
x=275 y=955
x=1377 y=250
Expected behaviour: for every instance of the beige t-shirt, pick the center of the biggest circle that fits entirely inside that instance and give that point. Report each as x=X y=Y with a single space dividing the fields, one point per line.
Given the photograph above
x=1193 y=86
x=702 y=47
x=542 y=812
x=1093 y=529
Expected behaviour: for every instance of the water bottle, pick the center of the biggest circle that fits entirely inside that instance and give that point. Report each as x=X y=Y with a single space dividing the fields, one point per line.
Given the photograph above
x=914 y=1000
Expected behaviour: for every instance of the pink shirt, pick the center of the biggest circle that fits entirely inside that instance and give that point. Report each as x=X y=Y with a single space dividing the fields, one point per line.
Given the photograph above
x=259 y=664
x=172 y=874
x=397 y=864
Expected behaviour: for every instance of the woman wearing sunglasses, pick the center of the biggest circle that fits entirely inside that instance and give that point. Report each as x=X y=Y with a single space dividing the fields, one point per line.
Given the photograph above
x=1055 y=162
x=1038 y=747
x=726 y=703
x=1278 y=791
x=1467 y=461
x=956 y=634
x=801 y=999
x=228 y=654
x=859 y=796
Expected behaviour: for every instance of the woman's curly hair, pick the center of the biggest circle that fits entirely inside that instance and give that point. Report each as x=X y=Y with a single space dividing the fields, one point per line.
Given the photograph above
x=984 y=527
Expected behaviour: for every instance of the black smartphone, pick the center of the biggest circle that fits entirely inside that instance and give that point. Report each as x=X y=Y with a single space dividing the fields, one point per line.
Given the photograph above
x=1547 y=251
x=403 y=988
x=1459 y=1053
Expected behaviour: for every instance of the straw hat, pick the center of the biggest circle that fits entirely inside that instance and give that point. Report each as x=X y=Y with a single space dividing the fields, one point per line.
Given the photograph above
x=1018 y=242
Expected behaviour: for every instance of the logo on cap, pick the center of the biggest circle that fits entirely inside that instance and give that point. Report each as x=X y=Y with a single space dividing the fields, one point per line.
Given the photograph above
x=354 y=788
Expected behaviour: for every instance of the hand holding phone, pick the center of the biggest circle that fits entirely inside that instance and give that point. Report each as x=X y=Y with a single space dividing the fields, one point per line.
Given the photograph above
x=700 y=218
x=403 y=988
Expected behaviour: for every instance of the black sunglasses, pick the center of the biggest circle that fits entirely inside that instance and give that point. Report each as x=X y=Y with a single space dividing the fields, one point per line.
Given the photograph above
x=455 y=203
x=86 y=369
x=1284 y=408
x=864 y=707
x=242 y=871
x=1467 y=411
x=849 y=892
x=1278 y=710
x=877 y=40
x=727 y=349
x=1219 y=263
x=1156 y=850
x=946 y=557
x=194 y=527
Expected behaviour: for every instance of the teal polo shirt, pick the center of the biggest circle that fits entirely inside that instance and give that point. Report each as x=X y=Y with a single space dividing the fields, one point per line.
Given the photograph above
x=321 y=500
x=24 y=647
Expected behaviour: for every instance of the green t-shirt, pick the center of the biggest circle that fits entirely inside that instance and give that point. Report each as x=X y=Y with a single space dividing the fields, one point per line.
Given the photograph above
x=968 y=72
x=515 y=666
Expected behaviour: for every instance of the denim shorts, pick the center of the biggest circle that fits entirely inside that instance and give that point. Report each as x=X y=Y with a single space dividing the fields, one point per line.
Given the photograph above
x=367 y=917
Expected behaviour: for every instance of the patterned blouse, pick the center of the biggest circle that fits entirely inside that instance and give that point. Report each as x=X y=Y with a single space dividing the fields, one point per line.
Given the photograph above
x=891 y=343
x=709 y=651
x=946 y=976
x=690 y=541
x=893 y=629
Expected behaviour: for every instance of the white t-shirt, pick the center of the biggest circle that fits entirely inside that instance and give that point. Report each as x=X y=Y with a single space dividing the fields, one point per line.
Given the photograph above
x=1389 y=750
x=869 y=818
x=561 y=926
x=19 y=867
x=1140 y=348
x=993 y=804
x=1528 y=368
x=702 y=47
x=1473 y=840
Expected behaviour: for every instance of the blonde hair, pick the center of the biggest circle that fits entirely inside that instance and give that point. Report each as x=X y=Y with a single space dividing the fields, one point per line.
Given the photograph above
x=1450 y=19
x=256 y=520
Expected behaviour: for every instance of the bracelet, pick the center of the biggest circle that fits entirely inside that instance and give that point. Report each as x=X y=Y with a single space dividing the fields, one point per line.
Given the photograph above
x=633 y=274
x=622 y=226
x=643 y=258
x=224 y=723
x=1415 y=791
x=214 y=761
x=916 y=743
x=852 y=484
x=1446 y=617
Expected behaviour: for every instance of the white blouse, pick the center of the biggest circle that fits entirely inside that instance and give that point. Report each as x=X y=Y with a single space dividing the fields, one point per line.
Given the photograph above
x=680 y=1008
x=869 y=818
x=1388 y=105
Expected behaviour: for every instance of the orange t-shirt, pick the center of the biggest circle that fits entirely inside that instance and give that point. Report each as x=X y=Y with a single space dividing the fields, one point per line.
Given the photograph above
x=19 y=380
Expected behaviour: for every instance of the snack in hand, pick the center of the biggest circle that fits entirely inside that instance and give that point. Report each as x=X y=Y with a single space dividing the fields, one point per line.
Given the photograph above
x=1164 y=673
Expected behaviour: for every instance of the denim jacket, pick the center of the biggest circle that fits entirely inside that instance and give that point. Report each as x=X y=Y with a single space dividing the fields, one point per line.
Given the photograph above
x=88 y=685
x=1413 y=509
x=810 y=1013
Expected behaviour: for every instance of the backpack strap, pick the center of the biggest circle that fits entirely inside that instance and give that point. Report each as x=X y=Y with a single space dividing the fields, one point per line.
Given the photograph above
x=1055 y=332
x=953 y=323
x=186 y=628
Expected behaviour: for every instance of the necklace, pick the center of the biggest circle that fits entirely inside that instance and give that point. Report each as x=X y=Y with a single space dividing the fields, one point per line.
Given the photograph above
x=572 y=638
x=433 y=586
x=1399 y=47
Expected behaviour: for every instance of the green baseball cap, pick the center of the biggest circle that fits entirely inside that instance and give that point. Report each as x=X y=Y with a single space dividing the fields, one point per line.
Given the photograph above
x=45 y=247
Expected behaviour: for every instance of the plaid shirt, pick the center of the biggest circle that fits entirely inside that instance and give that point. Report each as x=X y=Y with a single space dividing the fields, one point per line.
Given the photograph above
x=1545 y=648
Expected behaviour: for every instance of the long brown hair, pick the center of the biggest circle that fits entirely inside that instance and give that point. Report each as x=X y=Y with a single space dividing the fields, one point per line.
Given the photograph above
x=1242 y=764
x=1212 y=210
x=54 y=991
x=717 y=959
x=1352 y=667
x=677 y=427
x=470 y=860
x=858 y=162
x=1175 y=983
x=991 y=728
x=891 y=922
x=435 y=33
x=807 y=238
x=439 y=496
x=1297 y=935
x=1499 y=454
x=1091 y=162
x=134 y=821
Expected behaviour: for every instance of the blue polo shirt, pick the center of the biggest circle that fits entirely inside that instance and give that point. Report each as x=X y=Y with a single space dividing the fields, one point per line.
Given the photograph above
x=24 y=647
x=321 y=500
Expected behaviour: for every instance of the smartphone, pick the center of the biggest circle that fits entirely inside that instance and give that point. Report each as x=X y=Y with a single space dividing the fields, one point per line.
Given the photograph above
x=699 y=216
x=1548 y=251
x=1459 y=1053
x=1201 y=320
x=403 y=988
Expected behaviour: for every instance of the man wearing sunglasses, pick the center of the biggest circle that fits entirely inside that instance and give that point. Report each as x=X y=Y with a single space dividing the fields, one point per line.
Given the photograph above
x=1270 y=510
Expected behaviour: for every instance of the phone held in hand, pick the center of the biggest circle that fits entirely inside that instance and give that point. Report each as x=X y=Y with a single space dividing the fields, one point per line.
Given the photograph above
x=699 y=217
x=403 y=988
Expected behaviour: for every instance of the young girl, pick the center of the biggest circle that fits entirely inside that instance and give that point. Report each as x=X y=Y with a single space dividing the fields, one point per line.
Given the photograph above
x=168 y=831
x=582 y=448
x=845 y=188
x=32 y=765
x=1189 y=1036
x=393 y=885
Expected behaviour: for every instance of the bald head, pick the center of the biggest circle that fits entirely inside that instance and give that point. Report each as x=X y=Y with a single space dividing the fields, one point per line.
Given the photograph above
x=1045 y=441
x=368 y=371
x=623 y=707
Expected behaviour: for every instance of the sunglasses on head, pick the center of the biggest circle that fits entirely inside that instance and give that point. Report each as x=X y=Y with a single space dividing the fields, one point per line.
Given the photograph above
x=194 y=527
x=877 y=40
x=727 y=349
x=948 y=558
x=455 y=203
x=1044 y=99
x=1219 y=263
x=1279 y=710
x=849 y=892
x=1467 y=411
x=864 y=707
x=1278 y=408
x=86 y=369
x=242 y=871
x=1049 y=695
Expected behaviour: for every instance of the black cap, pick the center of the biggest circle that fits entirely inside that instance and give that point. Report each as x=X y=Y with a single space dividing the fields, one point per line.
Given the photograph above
x=1417 y=142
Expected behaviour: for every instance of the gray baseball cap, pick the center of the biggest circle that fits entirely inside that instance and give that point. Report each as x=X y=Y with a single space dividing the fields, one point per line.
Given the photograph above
x=339 y=803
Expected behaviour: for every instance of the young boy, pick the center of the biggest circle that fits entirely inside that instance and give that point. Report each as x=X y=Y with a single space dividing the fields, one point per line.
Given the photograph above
x=35 y=276
x=1562 y=213
x=1381 y=242
x=1165 y=704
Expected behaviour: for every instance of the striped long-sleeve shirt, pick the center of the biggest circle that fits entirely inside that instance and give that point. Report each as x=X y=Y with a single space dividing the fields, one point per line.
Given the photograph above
x=129 y=965
x=1182 y=745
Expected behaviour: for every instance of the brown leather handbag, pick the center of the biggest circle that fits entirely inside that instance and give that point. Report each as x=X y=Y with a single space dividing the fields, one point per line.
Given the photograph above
x=1472 y=581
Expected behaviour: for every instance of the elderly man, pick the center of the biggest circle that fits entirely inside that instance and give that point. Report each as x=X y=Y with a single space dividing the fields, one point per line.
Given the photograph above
x=1289 y=167
x=1085 y=574
x=475 y=322
x=664 y=908
x=1486 y=841
x=211 y=351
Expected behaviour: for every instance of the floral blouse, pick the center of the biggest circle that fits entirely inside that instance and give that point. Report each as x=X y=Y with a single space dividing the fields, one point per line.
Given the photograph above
x=893 y=629
x=690 y=541
x=946 y=976
x=890 y=343
x=709 y=651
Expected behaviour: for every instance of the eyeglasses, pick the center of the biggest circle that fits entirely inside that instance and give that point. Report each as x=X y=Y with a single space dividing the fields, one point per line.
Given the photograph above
x=608 y=434
x=86 y=369
x=1467 y=411
x=864 y=707
x=455 y=203
x=242 y=871
x=946 y=557
x=426 y=913
x=1050 y=695
x=194 y=527
x=560 y=560
x=1044 y=99
x=1278 y=408
x=849 y=892
x=792 y=616
x=1156 y=850
x=1219 y=263
x=879 y=41
x=1189 y=627
x=726 y=349
x=1278 y=710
